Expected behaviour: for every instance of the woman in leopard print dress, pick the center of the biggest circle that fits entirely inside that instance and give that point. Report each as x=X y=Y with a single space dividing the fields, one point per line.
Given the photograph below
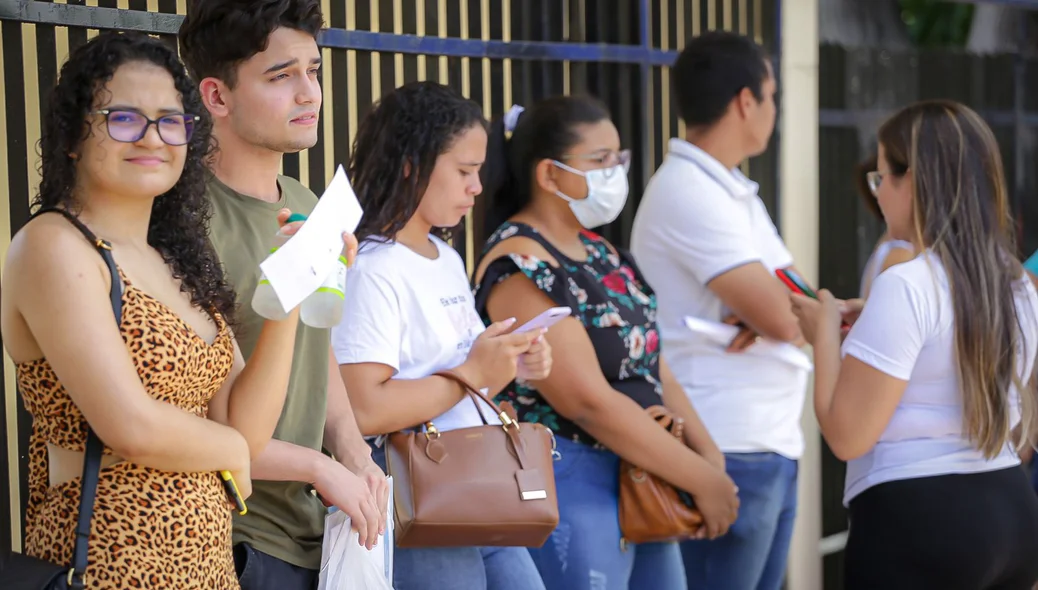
x=167 y=390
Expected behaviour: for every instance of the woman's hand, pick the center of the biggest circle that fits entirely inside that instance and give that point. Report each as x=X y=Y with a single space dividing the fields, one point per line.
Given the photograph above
x=850 y=309
x=536 y=363
x=493 y=361
x=717 y=498
x=817 y=317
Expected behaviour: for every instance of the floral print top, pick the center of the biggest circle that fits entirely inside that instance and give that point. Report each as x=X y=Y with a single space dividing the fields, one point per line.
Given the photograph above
x=609 y=296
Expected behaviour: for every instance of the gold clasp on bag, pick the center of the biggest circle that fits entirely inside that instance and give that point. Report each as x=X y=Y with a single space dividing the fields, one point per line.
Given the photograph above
x=507 y=421
x=431 y=433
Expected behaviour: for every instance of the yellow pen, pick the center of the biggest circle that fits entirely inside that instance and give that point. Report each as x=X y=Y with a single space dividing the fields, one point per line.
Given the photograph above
x=232 y=491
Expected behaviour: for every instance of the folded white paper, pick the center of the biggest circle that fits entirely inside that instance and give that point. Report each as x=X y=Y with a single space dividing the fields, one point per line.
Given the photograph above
x=301 y=265
x=721 y=335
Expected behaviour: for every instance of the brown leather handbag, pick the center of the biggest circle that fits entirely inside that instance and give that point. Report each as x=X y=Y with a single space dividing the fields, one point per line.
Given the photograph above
x=489 y=485
x=652 y=510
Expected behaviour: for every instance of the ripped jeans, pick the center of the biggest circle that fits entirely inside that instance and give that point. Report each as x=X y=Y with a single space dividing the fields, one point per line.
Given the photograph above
x=584 y=553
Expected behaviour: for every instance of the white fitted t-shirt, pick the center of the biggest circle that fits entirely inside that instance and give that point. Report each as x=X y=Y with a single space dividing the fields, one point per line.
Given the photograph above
x=413 y=314
x=698 y=220
x=907 y=331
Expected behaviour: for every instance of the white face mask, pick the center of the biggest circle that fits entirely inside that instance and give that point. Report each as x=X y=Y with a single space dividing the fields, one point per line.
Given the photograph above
x=606 y=195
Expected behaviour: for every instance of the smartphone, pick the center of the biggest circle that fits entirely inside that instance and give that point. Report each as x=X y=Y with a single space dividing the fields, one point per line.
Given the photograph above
x=231 y=487
x=795 y=282
x=546 y=319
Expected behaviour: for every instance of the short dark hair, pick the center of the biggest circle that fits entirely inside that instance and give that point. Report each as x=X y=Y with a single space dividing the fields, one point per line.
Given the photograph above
x=546 y=131
x=712 y=70
x=218 y=35
x=410 y=126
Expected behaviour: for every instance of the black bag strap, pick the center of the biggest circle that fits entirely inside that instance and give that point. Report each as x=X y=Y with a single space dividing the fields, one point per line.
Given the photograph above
x=94 y=446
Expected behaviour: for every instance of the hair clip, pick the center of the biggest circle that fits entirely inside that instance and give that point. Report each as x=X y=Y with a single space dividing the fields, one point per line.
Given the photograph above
x=512 y=117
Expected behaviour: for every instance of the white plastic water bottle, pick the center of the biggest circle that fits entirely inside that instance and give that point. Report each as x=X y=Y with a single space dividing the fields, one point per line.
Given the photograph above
x=265 y=301
x=323 y=308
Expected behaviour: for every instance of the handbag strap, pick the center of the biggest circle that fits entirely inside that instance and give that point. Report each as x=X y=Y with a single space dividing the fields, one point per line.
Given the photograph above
x=476 y=396
x=508 y=423
x=94 y=446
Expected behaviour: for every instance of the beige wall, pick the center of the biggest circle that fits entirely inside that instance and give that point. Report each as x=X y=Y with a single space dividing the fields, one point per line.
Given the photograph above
x=798 y=178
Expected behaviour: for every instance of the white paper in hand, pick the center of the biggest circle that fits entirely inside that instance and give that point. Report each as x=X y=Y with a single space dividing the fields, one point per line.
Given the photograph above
x=721 y=334
x=299 y=267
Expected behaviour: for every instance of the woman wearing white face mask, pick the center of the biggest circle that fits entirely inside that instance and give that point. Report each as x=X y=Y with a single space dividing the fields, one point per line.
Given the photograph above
x=562 y=173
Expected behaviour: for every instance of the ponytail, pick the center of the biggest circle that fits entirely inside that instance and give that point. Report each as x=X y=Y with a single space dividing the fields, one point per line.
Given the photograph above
x=504 y=190
x=547 y=131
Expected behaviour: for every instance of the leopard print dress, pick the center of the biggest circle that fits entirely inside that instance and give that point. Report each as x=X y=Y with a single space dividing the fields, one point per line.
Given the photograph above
x=151 y=529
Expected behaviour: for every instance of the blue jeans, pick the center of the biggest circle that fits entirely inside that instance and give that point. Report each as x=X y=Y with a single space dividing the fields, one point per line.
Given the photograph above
x=752 y=556
x=461 y=568
x=465 y=568
x=584 y=553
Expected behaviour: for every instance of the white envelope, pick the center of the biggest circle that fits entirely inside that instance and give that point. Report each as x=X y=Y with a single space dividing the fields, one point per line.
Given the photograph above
x=301 y=265
x=721 y=334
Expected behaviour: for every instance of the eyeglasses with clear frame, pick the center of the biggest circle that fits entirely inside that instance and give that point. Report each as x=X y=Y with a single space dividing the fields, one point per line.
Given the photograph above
x=607 y=160
x=174 y=129
x=875 y=179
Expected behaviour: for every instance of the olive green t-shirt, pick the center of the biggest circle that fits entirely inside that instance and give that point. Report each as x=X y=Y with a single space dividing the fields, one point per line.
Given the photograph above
x=284 y=520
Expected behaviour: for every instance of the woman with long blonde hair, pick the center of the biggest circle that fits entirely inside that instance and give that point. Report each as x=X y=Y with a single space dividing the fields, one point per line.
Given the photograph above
x=936 y=373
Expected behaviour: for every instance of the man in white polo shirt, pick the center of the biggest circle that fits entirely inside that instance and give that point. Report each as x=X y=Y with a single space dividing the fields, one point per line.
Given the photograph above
x=705 y=242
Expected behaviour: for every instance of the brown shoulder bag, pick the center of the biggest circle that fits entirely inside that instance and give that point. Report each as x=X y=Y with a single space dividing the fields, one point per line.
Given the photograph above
x=652 y=510
x=489 y=485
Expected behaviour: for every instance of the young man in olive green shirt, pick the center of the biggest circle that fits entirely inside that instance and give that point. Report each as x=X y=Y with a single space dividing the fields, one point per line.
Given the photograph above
x=257 y=62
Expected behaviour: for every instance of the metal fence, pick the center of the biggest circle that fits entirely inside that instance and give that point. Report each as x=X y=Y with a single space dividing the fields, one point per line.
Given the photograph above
x=494 y=51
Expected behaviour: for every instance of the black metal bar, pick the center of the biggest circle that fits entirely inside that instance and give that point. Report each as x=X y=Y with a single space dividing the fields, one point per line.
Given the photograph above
x=1020 y=131
x=27 y=11
x=340 y=94
x=1028 y=4
x=645 y=83
x=46 y=62
x=873 y=117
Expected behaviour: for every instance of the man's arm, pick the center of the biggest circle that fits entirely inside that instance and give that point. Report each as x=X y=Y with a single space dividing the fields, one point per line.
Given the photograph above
x=337 y=484
x=343 y=438
x=341 y=435
x=758 y=299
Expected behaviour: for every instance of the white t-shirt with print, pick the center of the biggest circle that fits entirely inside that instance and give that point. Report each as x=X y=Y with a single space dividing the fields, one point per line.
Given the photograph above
x=413 y=314
x=907 y=330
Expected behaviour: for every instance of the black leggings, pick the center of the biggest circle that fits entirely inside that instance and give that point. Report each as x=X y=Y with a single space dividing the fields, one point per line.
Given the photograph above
x=950 y=532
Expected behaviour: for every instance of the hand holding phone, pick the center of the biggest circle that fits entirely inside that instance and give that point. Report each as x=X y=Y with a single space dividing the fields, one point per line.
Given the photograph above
x=795 y=282
x=546 y=319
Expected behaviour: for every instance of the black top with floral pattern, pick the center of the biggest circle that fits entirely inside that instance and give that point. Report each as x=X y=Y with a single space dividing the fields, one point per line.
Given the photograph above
x=610 y=298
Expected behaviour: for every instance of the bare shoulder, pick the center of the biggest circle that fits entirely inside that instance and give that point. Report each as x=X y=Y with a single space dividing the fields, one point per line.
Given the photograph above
x=49 y=252
x=515 y=245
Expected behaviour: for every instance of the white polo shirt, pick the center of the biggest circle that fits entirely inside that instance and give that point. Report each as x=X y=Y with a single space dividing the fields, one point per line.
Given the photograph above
x=698 y=220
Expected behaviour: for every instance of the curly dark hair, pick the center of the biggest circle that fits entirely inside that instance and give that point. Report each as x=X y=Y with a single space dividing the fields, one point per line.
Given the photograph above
x=218 y=35
x=179 y=226
x=408 y=128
